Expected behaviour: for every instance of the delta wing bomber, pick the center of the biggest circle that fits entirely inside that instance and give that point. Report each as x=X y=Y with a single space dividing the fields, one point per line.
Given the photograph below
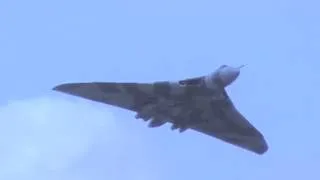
x=199 y=103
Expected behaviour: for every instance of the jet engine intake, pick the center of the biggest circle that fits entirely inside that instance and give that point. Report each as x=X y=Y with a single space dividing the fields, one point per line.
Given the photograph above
x=179 y=127
x=146 y=112
x=155 y=122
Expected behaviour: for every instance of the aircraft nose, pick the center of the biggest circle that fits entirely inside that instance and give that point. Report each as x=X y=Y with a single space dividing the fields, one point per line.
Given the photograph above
x=228 y=75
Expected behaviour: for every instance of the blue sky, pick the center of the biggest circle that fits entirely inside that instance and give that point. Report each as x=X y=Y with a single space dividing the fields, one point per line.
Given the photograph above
x=47 y=135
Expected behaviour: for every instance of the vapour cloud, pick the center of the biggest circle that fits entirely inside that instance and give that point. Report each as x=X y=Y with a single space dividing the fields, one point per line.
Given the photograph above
x=44 y=136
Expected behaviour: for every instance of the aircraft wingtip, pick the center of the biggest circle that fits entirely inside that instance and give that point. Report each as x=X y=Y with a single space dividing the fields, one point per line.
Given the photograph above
x=263 y=149
x=69 y=87
x=63 y=87
x=58 y=87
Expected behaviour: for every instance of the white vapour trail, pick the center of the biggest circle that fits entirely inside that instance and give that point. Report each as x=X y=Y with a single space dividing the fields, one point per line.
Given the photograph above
x=47 y=135
x=57 y=139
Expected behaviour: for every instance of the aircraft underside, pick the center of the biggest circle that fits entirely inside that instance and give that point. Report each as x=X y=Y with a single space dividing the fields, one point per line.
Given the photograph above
x=182 y=115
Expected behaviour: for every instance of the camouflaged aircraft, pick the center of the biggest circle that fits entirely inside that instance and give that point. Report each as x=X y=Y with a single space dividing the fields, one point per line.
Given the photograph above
x=199 y=103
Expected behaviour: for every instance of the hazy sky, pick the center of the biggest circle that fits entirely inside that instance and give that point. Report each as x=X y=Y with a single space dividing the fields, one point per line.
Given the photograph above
x=48 y=135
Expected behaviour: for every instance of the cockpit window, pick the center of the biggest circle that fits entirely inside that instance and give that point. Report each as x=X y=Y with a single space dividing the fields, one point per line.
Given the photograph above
x=223 y=66
x=192 y=82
